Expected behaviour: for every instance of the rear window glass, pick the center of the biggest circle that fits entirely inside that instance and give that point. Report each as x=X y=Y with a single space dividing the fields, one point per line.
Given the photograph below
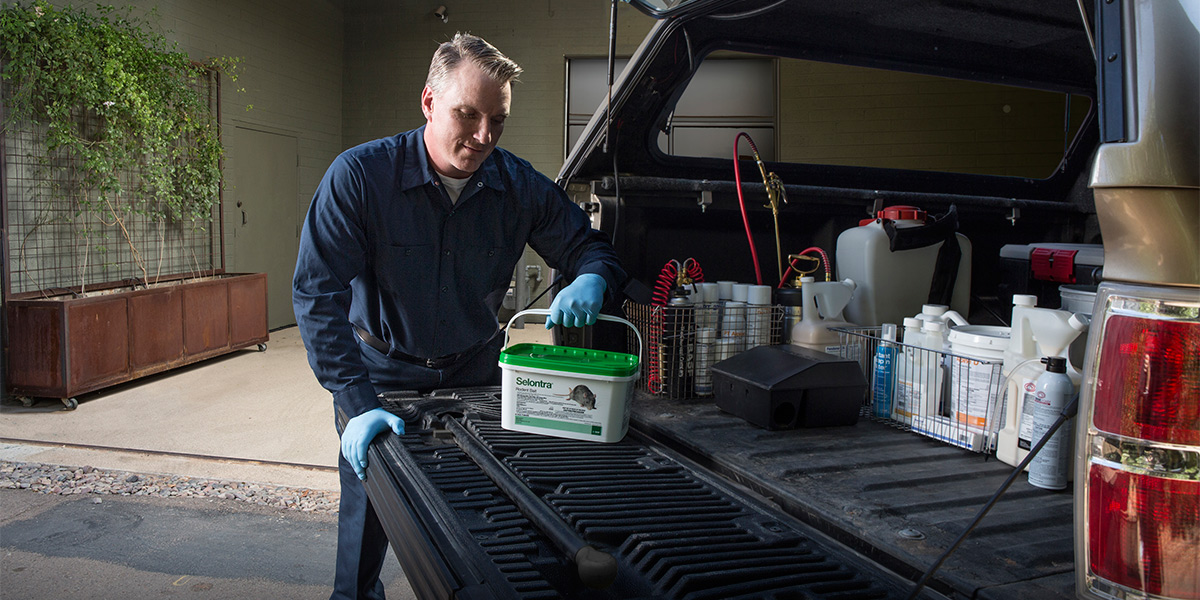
x=823 y=113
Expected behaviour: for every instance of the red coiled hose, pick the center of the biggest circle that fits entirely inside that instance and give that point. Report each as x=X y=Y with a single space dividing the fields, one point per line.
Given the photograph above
x=668 y=278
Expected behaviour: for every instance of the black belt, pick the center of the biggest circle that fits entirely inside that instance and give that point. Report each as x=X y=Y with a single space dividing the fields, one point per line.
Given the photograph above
x=440 y=362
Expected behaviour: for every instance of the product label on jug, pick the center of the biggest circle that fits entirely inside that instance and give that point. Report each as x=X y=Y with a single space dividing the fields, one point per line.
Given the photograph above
x=561 y=405
x=974 y=384
x=1025 y=419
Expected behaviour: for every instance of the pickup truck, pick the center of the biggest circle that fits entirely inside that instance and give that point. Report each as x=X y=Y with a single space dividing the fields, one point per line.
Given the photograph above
x=1051 y=122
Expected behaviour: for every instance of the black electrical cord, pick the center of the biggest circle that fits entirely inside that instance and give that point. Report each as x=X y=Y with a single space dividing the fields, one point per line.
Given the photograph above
x=557 y=280
x=616 y=196
x=1067 y=413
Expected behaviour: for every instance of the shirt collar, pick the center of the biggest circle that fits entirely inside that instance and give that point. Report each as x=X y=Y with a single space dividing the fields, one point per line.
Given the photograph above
x=417 y=170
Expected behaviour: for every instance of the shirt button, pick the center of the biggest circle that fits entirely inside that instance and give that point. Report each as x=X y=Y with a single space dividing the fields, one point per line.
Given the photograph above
x=435 y=183
x=479 y=184
x=408 y=251
x=446 y=252
x=445 y=288
x=491 y=252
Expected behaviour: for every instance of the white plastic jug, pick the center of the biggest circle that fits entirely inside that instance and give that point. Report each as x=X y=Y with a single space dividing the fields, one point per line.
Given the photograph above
x=1036 y=332
x=823 y=302
x=894 y=285
x=919 y=376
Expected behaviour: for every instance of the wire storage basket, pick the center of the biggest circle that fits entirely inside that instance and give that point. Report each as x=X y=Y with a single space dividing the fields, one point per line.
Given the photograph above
x=945 y=395
x=684 y=342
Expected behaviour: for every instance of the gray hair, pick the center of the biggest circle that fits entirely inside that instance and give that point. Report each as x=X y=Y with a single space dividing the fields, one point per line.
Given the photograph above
x=465 y=46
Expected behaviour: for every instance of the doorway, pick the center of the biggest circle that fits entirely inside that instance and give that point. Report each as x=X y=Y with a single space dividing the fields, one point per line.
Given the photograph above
x=262 y=213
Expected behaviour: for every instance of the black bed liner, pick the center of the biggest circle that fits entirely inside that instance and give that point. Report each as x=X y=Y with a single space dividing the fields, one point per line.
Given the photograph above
x=876 y=488
x=675 y=530
x=695 y=503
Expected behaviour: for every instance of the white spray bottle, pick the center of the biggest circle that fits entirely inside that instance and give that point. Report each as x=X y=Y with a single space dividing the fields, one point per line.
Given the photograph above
x=1036 y=332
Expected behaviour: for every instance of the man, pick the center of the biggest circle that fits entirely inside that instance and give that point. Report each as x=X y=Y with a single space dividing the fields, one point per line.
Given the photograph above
x=406 y=254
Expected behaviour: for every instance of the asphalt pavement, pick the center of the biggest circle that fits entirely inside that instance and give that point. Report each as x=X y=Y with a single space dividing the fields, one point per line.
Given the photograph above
x=105 y=547
x=245 y=422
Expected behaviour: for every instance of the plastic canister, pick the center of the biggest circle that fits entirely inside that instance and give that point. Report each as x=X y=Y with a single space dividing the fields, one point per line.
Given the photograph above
x=813 y=330
x=976 y=355
x=567 y=392
x=919 y=375
x=1078 y=299
x=893 y=285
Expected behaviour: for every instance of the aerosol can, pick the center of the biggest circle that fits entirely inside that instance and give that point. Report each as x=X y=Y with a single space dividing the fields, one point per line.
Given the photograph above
x=1053 y=390
x=1036 y=332
x=679 y=336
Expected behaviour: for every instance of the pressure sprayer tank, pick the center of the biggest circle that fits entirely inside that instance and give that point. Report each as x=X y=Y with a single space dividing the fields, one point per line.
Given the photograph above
x=891 y=284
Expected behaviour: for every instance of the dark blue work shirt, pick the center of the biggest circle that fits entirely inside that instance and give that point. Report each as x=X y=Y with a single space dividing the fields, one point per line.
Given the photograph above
x=383 y=248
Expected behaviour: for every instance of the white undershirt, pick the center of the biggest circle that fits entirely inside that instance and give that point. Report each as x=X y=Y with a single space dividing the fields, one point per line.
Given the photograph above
x=454 y=186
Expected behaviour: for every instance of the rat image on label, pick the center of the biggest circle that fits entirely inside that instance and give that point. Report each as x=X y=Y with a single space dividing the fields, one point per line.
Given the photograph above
x=551 y=403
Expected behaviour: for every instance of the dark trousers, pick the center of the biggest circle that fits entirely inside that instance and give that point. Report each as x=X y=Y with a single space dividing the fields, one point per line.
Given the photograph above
x=362 y=543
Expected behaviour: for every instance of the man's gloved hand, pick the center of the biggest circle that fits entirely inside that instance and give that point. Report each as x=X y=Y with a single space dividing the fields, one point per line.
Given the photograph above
x=579 y=303
x=361 y=430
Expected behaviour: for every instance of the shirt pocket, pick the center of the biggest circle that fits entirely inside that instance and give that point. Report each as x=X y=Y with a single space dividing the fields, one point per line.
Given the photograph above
x=403 y=267
x=491 y=266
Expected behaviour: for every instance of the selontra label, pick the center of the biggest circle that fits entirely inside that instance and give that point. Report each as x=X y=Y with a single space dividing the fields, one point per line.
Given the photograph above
x=534 y=383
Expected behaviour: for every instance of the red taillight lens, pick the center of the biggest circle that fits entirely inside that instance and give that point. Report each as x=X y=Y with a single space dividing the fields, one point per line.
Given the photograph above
x=1144 y=531
x=1148 y=380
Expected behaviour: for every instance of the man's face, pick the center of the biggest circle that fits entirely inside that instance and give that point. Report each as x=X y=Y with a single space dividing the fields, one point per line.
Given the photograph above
x=464 y=121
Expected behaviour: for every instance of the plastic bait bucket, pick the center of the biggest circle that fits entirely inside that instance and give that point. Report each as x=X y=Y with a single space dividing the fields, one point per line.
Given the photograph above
x=567 y=392
x=976 y=355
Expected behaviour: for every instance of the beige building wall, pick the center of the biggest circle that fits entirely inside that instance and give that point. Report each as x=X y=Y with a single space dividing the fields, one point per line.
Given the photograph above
x=389 y=44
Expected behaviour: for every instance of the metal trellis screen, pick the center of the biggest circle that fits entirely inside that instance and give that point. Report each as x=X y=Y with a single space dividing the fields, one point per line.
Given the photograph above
x=56 y=244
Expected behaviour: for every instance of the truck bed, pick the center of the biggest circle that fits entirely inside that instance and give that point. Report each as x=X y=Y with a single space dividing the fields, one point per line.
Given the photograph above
x=898 y=497
x=695 y=503
x=675 y=530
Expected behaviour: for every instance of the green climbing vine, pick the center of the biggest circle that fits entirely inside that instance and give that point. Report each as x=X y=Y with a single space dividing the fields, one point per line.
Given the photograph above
x=120 y=107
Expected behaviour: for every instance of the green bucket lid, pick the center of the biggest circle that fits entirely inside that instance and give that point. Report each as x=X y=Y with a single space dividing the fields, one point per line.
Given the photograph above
x=570 y=360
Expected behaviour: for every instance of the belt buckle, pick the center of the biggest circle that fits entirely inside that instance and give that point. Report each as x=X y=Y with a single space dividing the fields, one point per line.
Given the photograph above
x=431 y=363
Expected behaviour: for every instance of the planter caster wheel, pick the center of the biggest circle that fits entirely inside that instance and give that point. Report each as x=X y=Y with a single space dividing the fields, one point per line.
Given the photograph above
x=70 y=403
x=262 y=347
x=26 y=401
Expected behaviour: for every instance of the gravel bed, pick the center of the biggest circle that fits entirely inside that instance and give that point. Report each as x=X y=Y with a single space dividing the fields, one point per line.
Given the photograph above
x=53 y=479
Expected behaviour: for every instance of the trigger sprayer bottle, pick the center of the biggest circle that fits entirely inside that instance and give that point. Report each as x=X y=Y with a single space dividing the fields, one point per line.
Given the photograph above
x=1048 y=470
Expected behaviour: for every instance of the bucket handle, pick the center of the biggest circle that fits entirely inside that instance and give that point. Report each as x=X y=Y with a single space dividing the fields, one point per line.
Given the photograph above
x=602 y=317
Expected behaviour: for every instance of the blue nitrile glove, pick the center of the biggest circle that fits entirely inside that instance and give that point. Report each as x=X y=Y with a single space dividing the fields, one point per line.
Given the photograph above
x=361 y=430
x=579 y=303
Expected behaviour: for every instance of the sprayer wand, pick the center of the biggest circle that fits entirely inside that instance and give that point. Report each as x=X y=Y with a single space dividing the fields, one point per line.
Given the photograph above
x=1068 y=412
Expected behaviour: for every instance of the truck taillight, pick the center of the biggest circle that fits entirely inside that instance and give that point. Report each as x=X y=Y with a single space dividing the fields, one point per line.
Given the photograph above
x=1143 y=535
x=1137 y=524
x=1146 y=367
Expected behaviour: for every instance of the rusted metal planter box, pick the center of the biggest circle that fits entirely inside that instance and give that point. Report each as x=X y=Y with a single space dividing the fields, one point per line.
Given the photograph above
x=63 y=346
